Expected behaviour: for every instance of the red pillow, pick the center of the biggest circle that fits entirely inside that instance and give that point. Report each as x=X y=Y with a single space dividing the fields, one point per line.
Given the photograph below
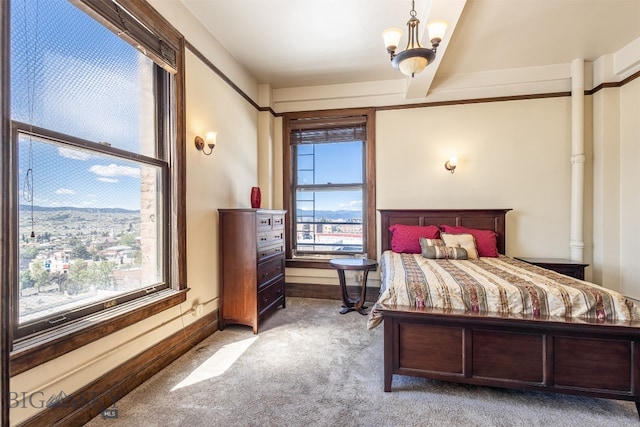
x=406 y=238
x=486 y=240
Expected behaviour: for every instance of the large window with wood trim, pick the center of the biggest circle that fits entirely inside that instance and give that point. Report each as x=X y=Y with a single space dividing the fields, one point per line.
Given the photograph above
x=95 y=155
x=329 y=187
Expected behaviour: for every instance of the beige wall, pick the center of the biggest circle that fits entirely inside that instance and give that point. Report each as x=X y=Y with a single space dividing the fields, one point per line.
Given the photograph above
x=510 y=155
x=221 y=180
x=606 y=185
x=616 y=204
x=629 y=188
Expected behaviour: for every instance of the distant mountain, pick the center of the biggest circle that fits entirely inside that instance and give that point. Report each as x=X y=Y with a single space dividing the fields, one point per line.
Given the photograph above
x=74 y=209
x=342 y=214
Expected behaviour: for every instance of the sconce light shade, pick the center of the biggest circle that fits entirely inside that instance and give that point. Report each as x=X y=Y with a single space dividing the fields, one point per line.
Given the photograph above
x=210 y=139
x=451 y=164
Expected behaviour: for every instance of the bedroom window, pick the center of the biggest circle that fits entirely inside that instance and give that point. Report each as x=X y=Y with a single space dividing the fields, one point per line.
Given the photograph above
x=329 y=188
x=94 y=149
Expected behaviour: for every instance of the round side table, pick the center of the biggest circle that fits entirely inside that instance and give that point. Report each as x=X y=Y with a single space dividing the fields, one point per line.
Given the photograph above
x=357 y=264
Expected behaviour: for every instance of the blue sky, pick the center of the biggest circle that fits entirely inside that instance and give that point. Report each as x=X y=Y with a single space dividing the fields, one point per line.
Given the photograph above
x=70 y=177
x=61 y=76
x=334 y=163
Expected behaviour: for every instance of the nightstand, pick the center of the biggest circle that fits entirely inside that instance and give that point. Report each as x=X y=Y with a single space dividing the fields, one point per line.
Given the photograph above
x=564 y=266
x=357 y=264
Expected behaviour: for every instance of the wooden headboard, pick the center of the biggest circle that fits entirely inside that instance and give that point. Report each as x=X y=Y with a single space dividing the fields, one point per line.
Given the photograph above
x=485 y=219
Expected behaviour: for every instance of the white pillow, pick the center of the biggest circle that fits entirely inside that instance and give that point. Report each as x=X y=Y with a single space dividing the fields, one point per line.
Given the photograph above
x=465 y=241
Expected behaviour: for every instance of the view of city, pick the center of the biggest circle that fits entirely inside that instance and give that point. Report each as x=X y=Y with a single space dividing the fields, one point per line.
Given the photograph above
x=339 y=230
x=77 y=256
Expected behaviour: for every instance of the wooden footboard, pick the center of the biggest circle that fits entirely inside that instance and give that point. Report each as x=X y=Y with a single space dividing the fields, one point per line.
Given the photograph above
x=571 y=357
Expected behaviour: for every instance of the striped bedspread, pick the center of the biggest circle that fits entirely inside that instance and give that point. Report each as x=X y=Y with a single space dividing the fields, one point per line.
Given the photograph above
x=494 y=285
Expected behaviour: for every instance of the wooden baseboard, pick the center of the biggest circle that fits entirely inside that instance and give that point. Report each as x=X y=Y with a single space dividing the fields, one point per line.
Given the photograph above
x=85 y=404
x=313 y=290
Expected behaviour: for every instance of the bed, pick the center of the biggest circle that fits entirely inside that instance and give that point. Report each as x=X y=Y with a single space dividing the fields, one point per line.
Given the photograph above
x=586 y=354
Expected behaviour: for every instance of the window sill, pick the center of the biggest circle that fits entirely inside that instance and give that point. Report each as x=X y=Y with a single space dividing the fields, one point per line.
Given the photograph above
x=322 y=263
x=37 y=349
x=308 y=263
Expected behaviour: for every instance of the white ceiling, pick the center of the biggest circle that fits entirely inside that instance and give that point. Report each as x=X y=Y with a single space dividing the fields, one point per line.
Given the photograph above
x=297 y=43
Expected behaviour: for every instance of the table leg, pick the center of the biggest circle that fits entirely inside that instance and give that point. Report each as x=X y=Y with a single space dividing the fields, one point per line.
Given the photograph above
x=347 y=304
x=363 y=294
x=350 y=304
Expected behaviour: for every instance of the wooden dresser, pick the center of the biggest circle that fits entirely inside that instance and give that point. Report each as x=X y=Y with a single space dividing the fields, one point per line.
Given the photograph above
x=251 y=265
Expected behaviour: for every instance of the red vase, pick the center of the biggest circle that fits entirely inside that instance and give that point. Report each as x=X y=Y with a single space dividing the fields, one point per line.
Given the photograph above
x=255 y=197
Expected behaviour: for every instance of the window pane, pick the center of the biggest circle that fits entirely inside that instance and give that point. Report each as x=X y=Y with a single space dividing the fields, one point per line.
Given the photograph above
x=335 y=163
x=72 y=75
x=330 y=201
x=95 y=221
x=89 y=221
x=329 y=221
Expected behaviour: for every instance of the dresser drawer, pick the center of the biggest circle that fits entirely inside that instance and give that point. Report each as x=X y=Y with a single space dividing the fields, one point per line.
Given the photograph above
x=270 y=294
x=270 y=270
x=270 y=221
x=265 y=222
x=278 y=221
x=270 y=251
x=270 y=238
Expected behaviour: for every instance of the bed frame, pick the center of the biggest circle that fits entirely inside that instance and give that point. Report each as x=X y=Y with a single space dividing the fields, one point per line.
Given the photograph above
x=549 y=355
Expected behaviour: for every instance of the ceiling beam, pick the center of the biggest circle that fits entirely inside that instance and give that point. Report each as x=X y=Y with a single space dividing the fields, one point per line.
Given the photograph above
x=448 y=11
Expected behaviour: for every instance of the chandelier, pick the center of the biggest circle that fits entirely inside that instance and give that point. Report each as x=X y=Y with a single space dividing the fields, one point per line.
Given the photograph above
x=414 y=58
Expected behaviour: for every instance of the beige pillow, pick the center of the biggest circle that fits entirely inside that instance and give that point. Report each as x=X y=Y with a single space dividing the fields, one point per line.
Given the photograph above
x=465 y=241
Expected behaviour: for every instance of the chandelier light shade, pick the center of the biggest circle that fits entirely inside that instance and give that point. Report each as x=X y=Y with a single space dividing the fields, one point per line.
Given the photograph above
x=414 y=58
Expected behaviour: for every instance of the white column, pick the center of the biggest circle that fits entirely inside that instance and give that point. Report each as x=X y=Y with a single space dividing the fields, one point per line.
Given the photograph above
x=577 y=160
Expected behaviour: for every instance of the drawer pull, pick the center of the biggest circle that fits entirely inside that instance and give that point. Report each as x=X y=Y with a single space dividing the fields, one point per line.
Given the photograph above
x=265 y=221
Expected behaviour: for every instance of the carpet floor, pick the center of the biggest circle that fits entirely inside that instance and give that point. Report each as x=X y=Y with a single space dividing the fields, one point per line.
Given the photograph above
x=311 y=366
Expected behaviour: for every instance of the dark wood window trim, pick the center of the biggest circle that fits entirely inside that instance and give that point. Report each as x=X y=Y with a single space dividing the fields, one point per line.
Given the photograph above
x=5 y=210
x=35 y=350
x=38 y=349
x=369 y=209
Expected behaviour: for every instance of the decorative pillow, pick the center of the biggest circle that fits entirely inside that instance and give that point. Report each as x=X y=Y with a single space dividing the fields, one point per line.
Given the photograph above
x=465 y=241
x=444 y=252
x=486 y=240
x=430 y=242
x=406 y=238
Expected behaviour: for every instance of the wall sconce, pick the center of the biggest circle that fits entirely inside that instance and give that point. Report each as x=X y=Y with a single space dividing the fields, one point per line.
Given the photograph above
x=451 y=164
x=210 y=138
